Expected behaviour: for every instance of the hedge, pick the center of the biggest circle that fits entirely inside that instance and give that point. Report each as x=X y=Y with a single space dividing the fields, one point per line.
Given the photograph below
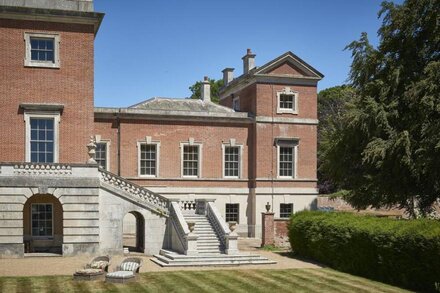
x=405 y=253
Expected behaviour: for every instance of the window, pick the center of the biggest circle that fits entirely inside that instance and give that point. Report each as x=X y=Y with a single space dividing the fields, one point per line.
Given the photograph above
x=236 y=104
x=42 y=215
x=42 y=140
x=287 y=152
x=286 y=162
x=286 y=209
x=101 y=154
x=287 y=101
x=148 y=159
x=42 y=129
x=191 y=160
x=232 y=212
x=232 y=161
x=42 y=50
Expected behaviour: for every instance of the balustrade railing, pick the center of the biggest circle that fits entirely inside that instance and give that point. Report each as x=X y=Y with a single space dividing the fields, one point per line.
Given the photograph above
x=159 y=202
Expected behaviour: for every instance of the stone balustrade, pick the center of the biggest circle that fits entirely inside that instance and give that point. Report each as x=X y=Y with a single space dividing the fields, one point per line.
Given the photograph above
x=186 y=237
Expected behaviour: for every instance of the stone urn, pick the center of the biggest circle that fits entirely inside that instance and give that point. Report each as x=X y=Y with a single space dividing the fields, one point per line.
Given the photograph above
x=191 y=226
x=232 y=226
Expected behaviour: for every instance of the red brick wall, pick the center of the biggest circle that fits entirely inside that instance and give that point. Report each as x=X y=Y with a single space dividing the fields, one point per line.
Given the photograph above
x=281 y=233
x=170 y=135
x=71 y=85
x=267 y=151
x=267 y=101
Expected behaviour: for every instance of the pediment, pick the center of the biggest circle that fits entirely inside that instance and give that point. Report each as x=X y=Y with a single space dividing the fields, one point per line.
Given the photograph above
x=289 y=64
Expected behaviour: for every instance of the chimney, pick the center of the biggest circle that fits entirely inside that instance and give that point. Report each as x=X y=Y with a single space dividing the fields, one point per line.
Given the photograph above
x=228 y=75
x=248 y=61
x=206 y=90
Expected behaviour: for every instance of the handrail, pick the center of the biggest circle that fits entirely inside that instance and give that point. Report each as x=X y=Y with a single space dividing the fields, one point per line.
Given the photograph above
x=187 y=238
x=217 y=222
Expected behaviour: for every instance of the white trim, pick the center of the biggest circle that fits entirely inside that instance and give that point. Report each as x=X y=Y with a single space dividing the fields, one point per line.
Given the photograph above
x=242 y=191
x=286 y=120
x=295 y=163
x=287 y=91
x=30 y=216
x=148 y=141
x=46 y=115
x=240 y=160
x=98 y=139
x=191 y=142
x=28 y=62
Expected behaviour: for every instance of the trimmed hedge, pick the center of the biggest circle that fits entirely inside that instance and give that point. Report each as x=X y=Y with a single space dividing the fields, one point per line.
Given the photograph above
x=399 y=252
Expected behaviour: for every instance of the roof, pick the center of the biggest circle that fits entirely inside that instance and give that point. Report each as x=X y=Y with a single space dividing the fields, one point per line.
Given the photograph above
x=175 y=104
x=263 y=72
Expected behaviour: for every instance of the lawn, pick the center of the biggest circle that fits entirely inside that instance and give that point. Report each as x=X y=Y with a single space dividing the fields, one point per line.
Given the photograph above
x=291 y=280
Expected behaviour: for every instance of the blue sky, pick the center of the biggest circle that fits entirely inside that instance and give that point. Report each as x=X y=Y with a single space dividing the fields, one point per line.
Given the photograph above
x=161 y=47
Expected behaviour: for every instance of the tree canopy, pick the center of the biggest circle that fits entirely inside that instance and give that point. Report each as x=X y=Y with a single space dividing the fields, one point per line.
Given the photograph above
x=388 y=152
x=215 y=87
x=332 y=105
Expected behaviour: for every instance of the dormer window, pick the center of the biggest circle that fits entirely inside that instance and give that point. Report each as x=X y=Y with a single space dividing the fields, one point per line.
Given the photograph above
x=42 y=50
x=287 y=101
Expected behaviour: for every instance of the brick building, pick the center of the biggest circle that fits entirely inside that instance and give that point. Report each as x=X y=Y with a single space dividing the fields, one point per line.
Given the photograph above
x=257 y=147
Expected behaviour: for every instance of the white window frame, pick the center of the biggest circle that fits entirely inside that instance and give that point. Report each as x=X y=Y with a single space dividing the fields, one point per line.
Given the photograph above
x=32 y=232
x=28 y=62
x=148 y=141
x=289 y=92
x=107 y=153
x=295 y=160
x=199 y=165
x=240 y=158
x=42 y=115
x=236 y=101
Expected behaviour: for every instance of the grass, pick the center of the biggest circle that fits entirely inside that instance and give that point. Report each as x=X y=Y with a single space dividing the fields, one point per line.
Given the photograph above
x=291 y=280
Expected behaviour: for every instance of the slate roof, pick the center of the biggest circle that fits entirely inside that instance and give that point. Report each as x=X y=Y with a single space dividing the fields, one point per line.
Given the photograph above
x=175 y=104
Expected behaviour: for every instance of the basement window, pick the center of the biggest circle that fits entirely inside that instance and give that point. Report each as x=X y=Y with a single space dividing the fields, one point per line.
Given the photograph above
x=286 y=210
x=232 y=212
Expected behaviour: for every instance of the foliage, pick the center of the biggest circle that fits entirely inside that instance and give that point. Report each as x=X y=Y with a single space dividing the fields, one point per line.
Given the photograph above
x=196 y=90
x=400 y=252
x=332 y=105
x=388 y=153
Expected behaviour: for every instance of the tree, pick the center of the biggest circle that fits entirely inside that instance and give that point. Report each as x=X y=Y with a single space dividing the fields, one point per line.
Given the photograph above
x=215 y=87
x=332 y=105
x=388 y=153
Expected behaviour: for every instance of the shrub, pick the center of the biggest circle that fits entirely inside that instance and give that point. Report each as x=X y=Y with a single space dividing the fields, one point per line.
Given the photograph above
x=400 y=252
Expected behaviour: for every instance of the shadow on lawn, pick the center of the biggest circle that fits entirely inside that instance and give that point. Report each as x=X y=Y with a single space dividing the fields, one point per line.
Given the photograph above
x=291 y=254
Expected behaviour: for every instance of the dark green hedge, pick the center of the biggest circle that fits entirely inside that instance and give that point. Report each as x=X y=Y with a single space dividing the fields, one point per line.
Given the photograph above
x=400 y=252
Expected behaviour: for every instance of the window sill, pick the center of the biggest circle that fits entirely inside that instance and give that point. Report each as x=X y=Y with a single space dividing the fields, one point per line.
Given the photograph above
x=287 y=111
x=36 y=64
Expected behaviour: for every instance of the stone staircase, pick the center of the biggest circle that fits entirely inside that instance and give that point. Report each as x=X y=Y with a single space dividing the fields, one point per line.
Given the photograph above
x=208 y=241
x=210 y=249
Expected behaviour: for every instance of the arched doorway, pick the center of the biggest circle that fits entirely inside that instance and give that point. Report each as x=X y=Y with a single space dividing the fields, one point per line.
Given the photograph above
x=43 y=224
x=133 y=234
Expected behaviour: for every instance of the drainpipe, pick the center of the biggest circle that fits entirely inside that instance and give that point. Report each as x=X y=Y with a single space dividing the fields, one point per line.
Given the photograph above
x=118 y=122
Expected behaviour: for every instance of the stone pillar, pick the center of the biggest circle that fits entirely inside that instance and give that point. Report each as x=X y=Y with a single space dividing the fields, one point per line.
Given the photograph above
x=268 y=228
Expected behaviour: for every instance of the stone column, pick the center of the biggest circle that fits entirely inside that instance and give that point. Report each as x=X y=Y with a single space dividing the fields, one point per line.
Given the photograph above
x=267 y=237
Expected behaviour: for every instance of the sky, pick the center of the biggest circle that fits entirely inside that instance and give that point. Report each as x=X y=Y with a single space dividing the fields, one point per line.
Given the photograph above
x=148 y=48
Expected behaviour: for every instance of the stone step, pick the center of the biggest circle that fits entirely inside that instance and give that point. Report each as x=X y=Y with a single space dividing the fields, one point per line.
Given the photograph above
x=208 y=241
x=171 y=259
